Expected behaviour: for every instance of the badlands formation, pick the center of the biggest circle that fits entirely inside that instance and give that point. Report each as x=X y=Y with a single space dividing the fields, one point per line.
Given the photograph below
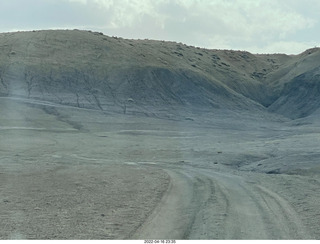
x=107 y=138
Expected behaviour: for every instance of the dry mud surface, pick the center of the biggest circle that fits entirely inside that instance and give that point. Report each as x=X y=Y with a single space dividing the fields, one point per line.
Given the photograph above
x=69 y=173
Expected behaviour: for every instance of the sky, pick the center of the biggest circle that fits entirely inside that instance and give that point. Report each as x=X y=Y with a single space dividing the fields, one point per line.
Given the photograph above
x=257 y=26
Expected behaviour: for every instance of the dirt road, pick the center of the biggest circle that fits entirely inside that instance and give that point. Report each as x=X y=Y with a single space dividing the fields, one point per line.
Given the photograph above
x=207 y=204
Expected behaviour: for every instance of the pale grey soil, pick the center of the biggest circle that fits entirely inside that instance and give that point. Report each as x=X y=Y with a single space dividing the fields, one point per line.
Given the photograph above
x=71 y=173
x=107 y=138
x=91 y=70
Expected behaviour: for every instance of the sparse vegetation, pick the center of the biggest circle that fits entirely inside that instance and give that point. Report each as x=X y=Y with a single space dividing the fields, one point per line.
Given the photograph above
x=250 y=79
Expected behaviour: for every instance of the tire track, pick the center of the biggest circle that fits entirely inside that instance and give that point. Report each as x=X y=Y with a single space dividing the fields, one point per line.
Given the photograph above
x=211 y=217
x=242 y=218
x=255 y=212
x=172 y=217
x=284 y=217
x=206 y=204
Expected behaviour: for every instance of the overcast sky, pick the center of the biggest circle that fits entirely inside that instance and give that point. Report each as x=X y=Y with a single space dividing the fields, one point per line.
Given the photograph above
x=258 y=26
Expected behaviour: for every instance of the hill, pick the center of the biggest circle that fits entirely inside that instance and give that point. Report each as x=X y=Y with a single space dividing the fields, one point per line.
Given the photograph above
x=90 y=70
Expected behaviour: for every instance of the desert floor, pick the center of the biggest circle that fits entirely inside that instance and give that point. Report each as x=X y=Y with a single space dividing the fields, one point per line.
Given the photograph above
x=68 y=173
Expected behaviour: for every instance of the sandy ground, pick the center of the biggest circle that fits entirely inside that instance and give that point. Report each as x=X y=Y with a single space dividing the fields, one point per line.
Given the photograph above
x=80 y=174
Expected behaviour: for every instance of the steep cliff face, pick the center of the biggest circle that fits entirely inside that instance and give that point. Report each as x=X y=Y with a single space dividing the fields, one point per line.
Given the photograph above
x=91 y=70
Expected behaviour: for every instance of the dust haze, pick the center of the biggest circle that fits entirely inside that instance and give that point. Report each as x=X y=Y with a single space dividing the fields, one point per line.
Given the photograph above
x=108 y=138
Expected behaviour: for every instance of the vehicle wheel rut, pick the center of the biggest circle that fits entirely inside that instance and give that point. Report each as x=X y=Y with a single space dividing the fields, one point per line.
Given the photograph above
x=205 y=204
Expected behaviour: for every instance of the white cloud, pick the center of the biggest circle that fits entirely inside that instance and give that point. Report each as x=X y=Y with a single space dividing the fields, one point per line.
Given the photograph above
x=248 y=19
x=79 y=1
x=288 y=47
x=241 y=16
x=123 y=13
x=238 y=24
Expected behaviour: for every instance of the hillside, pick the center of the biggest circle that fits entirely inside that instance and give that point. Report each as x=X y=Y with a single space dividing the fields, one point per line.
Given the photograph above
x=105 y=138
x=91 y=70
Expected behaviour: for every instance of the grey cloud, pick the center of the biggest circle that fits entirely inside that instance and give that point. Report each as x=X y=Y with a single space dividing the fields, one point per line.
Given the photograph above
x=47 y=14
x=243 y=24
